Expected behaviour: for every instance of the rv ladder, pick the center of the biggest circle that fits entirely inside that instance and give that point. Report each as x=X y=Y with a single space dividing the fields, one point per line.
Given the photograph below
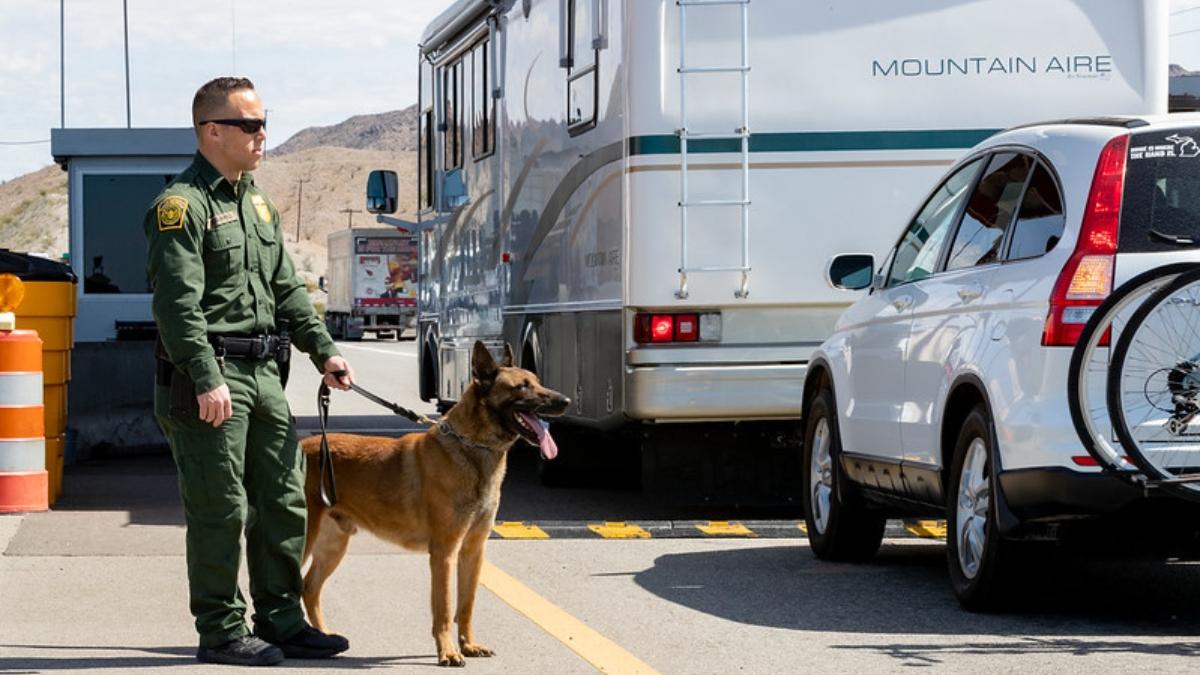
x=742 y=133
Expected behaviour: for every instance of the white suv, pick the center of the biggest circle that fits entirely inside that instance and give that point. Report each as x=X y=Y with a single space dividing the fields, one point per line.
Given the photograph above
x=943 y=390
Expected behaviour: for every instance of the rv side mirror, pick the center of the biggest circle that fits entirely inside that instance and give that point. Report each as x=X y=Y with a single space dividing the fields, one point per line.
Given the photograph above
x=851 y=271
x=382 y=191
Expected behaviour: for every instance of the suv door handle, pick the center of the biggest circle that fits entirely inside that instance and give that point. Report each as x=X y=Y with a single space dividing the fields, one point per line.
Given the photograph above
x=969 y=293
x=902 y=303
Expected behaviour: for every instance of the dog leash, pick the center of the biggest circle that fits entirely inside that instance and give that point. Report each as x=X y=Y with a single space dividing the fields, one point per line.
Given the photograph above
x=328 y=480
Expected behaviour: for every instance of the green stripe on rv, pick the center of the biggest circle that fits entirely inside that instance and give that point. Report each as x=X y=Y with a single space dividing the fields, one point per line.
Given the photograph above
x=818 y=141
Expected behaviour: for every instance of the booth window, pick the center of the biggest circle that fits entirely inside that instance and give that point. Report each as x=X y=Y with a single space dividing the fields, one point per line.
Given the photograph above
x=114 y=245
x=582 y=62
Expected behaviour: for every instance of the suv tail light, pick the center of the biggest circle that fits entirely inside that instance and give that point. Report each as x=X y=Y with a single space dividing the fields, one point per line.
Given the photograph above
x=649 y=328
x=1087 y=277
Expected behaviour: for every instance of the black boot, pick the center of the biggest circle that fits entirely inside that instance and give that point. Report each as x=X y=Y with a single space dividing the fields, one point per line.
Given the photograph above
x=247 y=650
x=310 y=643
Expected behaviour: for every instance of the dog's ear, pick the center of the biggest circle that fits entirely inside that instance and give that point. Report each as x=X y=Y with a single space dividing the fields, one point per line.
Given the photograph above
x=508 y=359
x=483 y=366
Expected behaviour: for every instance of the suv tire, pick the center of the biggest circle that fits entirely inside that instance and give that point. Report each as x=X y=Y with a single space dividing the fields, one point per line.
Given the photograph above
x=985 y=568
x=839 y=527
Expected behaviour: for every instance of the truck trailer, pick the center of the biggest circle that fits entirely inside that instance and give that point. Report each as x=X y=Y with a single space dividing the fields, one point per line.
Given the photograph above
x=371 y=282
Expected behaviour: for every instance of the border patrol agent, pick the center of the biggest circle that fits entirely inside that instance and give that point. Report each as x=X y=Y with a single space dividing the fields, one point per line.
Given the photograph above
x=223 y=287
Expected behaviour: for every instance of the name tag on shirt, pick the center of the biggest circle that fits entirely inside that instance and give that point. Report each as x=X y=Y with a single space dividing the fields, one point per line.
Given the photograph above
x=222 y=218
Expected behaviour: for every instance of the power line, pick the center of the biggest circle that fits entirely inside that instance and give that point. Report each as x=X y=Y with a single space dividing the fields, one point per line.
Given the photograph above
x=1185 y=11
x=1185 y=32
x=24 y=142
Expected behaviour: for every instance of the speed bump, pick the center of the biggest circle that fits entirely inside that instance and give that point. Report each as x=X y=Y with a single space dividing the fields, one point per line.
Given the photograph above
x=725 y=528
x=519 y=530
x=618 y=530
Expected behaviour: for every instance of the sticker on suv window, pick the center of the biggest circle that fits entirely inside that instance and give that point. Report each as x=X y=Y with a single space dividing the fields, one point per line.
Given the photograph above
x=1179 y=146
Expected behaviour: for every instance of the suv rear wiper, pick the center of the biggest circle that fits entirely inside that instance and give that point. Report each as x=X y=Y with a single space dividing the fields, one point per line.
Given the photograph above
x=1174 y=239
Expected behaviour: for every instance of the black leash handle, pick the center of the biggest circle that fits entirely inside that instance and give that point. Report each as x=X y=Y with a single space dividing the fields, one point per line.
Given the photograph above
x=403 y=412
x=328 y=480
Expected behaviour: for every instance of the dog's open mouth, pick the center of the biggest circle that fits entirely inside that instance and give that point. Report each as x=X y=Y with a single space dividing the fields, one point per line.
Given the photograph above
x=534 y=430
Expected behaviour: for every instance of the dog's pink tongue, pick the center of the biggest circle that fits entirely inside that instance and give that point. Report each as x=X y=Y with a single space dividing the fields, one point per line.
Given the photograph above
x=547 y=444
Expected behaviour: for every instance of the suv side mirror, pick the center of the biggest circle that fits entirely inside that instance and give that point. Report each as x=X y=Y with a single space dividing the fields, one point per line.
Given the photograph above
x=851 y=271
x=383 y=190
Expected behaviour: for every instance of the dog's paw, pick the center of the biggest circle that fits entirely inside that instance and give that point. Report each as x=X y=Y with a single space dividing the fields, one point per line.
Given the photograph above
x=452 y=659
x=471 y=649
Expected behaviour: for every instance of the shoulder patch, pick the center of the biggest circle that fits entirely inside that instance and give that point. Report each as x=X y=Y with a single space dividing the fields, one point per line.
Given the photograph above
x=171 y=212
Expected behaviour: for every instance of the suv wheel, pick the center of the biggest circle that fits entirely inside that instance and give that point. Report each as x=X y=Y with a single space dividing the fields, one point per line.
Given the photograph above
x=984 y=566
x=839 y=527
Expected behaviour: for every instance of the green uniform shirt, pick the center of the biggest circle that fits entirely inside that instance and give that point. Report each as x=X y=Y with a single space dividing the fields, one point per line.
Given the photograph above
x=217 y=265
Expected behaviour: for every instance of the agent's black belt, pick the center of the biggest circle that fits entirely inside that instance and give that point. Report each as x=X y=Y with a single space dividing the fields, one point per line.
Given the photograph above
x=245 y=346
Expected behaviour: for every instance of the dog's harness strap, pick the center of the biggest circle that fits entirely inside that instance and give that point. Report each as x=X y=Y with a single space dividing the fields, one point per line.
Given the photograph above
x=328 y=481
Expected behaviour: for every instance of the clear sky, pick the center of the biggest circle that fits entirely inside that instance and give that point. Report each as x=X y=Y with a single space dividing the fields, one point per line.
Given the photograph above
x=315 y=62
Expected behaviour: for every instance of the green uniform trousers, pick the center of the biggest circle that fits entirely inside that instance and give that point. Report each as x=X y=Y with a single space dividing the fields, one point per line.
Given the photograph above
x=247 y=474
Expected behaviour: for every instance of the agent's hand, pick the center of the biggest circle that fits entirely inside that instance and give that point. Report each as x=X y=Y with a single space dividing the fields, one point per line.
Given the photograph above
x=216 y=405
x=334 y=364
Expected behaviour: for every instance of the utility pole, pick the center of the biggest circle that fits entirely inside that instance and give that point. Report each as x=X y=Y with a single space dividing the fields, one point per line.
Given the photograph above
x=128 y=113
x=300 y=205
x=350 y=216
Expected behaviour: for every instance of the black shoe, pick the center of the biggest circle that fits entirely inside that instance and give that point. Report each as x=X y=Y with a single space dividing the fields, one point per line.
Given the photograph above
x=244 y=651
x=311 y=643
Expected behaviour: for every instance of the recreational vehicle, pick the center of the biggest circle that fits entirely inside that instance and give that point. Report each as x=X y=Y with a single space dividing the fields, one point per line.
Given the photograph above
x=642 y=196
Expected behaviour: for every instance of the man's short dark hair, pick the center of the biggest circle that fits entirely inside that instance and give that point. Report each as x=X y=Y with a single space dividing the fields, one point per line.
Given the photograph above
x=211 y=98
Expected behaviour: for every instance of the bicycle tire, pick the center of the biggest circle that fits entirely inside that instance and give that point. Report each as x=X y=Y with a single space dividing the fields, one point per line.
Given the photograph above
x=1160 y=455
x=1083 y=413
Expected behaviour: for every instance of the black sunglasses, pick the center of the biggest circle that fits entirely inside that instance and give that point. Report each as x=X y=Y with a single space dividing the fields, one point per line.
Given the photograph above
x=249 y=125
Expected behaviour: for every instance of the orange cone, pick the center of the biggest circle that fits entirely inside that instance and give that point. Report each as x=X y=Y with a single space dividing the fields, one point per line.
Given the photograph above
x=23 y=479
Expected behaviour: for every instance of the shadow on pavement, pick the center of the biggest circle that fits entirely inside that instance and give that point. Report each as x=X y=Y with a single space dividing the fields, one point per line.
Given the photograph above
x=905 y=591
x=60 y=658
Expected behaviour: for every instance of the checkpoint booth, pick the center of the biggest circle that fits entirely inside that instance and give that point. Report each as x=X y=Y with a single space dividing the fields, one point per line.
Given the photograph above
x=113 y=176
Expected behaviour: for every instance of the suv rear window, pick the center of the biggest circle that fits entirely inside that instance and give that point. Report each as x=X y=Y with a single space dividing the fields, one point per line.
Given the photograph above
x=1162 y=189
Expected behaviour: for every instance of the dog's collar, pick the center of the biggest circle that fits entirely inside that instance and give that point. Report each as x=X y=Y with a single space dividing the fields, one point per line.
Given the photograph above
x=444 y=427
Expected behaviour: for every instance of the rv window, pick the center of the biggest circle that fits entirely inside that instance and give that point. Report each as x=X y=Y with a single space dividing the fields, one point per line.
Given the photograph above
x=425 y=139
x=482 y=104
x=581 y=76
x=917 y=254
x=1039 y=224
x=425 y=162
x=452 y=79
x=989 y=212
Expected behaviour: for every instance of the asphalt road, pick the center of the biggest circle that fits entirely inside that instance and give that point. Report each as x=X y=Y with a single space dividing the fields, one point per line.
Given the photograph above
x=98 y=584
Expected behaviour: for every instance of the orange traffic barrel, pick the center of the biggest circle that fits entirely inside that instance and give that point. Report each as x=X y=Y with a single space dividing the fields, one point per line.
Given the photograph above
x=24 y=482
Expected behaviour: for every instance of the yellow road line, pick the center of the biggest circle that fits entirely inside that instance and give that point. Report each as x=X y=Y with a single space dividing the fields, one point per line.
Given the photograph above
x=519 y=530
x=618 y=530
x=725 y=528
x=930 y=529
x=606 y=655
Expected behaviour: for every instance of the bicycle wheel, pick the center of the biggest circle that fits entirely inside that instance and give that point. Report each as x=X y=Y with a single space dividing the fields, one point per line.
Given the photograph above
x=1154 y=386
x=1088 y=374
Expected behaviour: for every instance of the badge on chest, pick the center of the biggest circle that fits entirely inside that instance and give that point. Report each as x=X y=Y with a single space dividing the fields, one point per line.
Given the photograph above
x=261 y=208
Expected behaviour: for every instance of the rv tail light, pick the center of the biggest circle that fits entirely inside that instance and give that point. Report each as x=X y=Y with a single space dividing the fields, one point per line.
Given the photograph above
x=1087 y=277
x=687 y=328
x=665 y=328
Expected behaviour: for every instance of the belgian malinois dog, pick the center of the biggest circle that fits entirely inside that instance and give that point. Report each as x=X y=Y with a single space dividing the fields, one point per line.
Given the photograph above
x=436 y=491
